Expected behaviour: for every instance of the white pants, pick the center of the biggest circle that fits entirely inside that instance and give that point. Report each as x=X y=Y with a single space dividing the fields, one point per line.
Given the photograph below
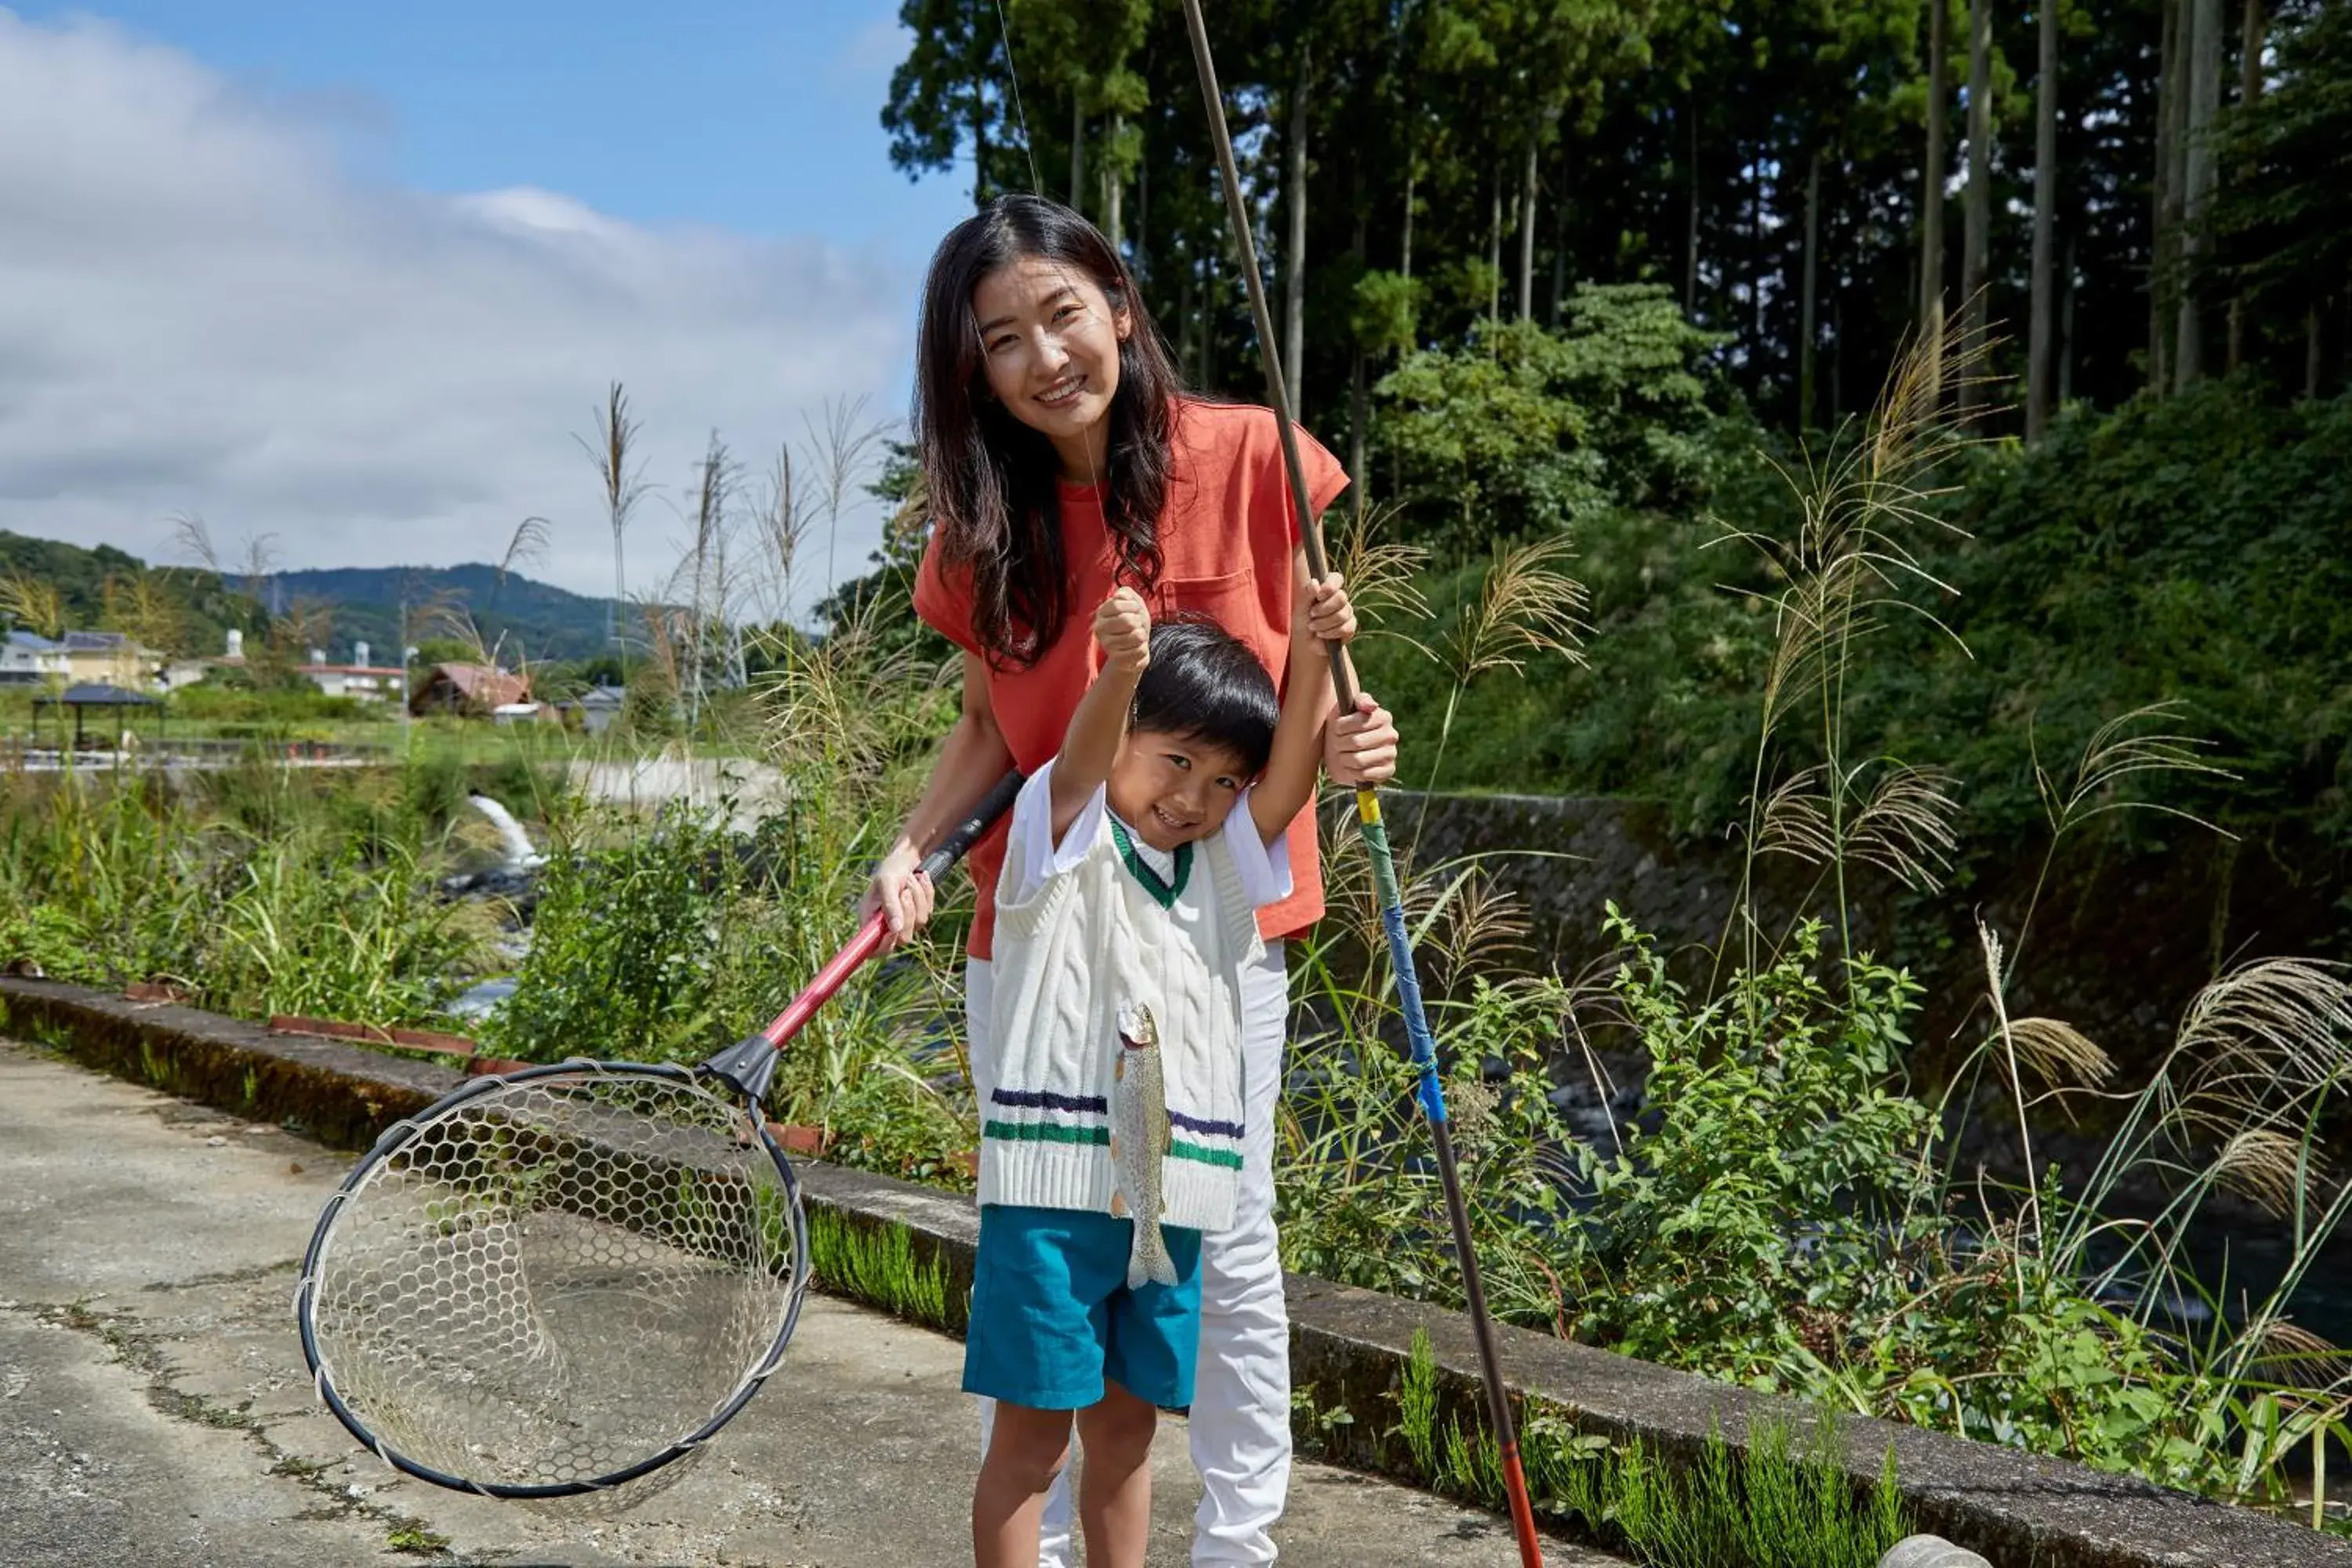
x=1240 y=1392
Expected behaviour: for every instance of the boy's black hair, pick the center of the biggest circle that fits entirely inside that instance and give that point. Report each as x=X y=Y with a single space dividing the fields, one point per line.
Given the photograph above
x=1204 y=684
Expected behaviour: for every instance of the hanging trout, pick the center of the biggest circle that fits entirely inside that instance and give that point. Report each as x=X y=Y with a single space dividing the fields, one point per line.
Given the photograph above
x=1139 y=1140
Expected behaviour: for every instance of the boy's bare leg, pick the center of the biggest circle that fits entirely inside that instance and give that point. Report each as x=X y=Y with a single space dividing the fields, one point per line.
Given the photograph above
x=1115 y=1481
x=1026 y=1449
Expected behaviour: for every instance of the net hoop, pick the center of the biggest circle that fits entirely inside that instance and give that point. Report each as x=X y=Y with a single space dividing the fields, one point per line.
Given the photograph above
x=404 y=1132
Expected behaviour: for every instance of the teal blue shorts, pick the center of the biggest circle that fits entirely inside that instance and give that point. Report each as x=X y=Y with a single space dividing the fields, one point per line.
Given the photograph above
x=1052 y=1317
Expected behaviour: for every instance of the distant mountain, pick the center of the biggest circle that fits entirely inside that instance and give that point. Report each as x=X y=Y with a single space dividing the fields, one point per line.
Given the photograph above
x=181 y=610
x=537 y=620
x=524 y=618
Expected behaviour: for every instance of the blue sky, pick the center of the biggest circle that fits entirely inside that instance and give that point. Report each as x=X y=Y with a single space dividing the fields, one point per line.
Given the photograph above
x=353 y=278
x=761 y=118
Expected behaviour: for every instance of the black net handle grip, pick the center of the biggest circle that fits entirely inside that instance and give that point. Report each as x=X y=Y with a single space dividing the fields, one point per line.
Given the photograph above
x=972 y=826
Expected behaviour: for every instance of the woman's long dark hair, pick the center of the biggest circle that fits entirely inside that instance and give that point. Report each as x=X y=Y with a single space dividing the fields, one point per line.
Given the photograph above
x=990 y=479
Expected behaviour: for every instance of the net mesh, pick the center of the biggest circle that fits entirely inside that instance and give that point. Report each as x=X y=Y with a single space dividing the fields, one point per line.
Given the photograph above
x=558 y=1280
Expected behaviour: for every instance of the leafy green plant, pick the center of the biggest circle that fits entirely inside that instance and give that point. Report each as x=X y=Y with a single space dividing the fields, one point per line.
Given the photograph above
x=1417 y=1404
x=1523 y=432
x=623 y=948
x=415 y=1541
x=1777 y=1119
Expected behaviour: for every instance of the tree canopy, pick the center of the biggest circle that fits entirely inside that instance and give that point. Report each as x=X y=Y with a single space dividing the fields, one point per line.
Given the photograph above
x=1471 y=162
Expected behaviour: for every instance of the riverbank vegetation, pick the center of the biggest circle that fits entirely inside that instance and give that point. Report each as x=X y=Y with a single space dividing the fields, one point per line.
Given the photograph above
x=1791 y=1209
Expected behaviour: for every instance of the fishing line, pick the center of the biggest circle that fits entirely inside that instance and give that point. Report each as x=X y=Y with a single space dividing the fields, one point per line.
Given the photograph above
x=1004 y=35
x=1037 y=188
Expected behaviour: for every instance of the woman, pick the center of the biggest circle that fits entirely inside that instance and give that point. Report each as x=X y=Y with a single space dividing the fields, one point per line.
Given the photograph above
x=1062 y=459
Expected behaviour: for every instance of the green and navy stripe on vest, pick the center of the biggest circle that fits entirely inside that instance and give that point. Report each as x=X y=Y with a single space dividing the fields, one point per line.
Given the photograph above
x=1041 y=1116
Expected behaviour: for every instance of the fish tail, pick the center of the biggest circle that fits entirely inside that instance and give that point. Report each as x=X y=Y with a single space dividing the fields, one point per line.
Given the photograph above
x=1148 y=1262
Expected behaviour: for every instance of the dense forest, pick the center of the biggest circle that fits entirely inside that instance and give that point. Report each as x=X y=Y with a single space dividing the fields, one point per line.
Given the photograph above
x=2130 y=195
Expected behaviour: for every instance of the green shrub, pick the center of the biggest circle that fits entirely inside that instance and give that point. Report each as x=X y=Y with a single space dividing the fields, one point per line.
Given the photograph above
x=1527 y=431
x=624 y=951
x=1778 y=1117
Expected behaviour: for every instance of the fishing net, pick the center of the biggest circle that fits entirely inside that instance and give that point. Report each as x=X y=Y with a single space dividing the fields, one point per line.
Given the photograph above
x=557 y=1285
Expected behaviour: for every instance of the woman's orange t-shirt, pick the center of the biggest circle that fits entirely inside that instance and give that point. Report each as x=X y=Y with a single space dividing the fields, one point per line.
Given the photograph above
x=1226 y=541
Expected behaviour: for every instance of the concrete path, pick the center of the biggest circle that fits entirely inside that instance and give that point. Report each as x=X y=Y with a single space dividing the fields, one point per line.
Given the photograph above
x=153 y=1408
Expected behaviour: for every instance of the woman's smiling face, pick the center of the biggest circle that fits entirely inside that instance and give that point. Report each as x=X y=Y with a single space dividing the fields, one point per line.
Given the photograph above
x=1049 y=342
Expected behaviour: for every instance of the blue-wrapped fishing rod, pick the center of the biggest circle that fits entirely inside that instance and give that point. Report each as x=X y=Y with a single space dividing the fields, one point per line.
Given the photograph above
x=1431 y=1093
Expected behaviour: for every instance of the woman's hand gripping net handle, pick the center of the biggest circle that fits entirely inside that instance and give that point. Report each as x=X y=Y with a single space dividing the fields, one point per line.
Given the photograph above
x=748 y=1066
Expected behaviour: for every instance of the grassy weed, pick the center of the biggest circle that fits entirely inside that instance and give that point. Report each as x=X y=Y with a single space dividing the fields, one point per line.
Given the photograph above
x=1772 y=1503
x=877 y=1265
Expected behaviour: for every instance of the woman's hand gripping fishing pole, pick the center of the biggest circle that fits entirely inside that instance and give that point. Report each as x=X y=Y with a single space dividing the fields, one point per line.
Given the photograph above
x=1360 y=744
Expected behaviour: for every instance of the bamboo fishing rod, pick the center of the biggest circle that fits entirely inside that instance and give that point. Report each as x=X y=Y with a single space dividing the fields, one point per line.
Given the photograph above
x=1431 y=1092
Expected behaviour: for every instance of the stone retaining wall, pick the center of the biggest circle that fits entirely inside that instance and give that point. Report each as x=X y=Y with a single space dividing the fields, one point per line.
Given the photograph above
x=1349 y=1347
x=1565 y=857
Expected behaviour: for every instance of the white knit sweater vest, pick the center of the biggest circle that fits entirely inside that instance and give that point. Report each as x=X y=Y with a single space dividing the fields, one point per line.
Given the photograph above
x=1067 y=956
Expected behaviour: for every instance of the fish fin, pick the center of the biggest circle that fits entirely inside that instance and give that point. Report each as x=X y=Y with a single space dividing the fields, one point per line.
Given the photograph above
x=1118 y=1204
x=1150 y=1266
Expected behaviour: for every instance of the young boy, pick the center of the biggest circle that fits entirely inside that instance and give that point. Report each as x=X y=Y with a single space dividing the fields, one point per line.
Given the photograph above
x=1136 y=862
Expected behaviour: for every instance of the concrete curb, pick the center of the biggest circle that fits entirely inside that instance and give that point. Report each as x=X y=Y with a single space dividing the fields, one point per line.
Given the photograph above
x=1349 y=1347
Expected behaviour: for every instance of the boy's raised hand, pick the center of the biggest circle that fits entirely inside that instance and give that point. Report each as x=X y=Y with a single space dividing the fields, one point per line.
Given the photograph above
x=1330 y=616
x=1123 y=628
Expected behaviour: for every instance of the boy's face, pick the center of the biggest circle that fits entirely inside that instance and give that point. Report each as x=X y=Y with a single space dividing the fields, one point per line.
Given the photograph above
x=1173 y=789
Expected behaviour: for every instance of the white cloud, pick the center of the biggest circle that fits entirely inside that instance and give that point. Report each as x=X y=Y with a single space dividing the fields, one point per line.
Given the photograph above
x=873 y=50
x=202 y=309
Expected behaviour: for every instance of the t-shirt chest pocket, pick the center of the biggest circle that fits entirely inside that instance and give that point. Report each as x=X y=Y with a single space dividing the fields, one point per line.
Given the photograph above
x=1229 y=600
